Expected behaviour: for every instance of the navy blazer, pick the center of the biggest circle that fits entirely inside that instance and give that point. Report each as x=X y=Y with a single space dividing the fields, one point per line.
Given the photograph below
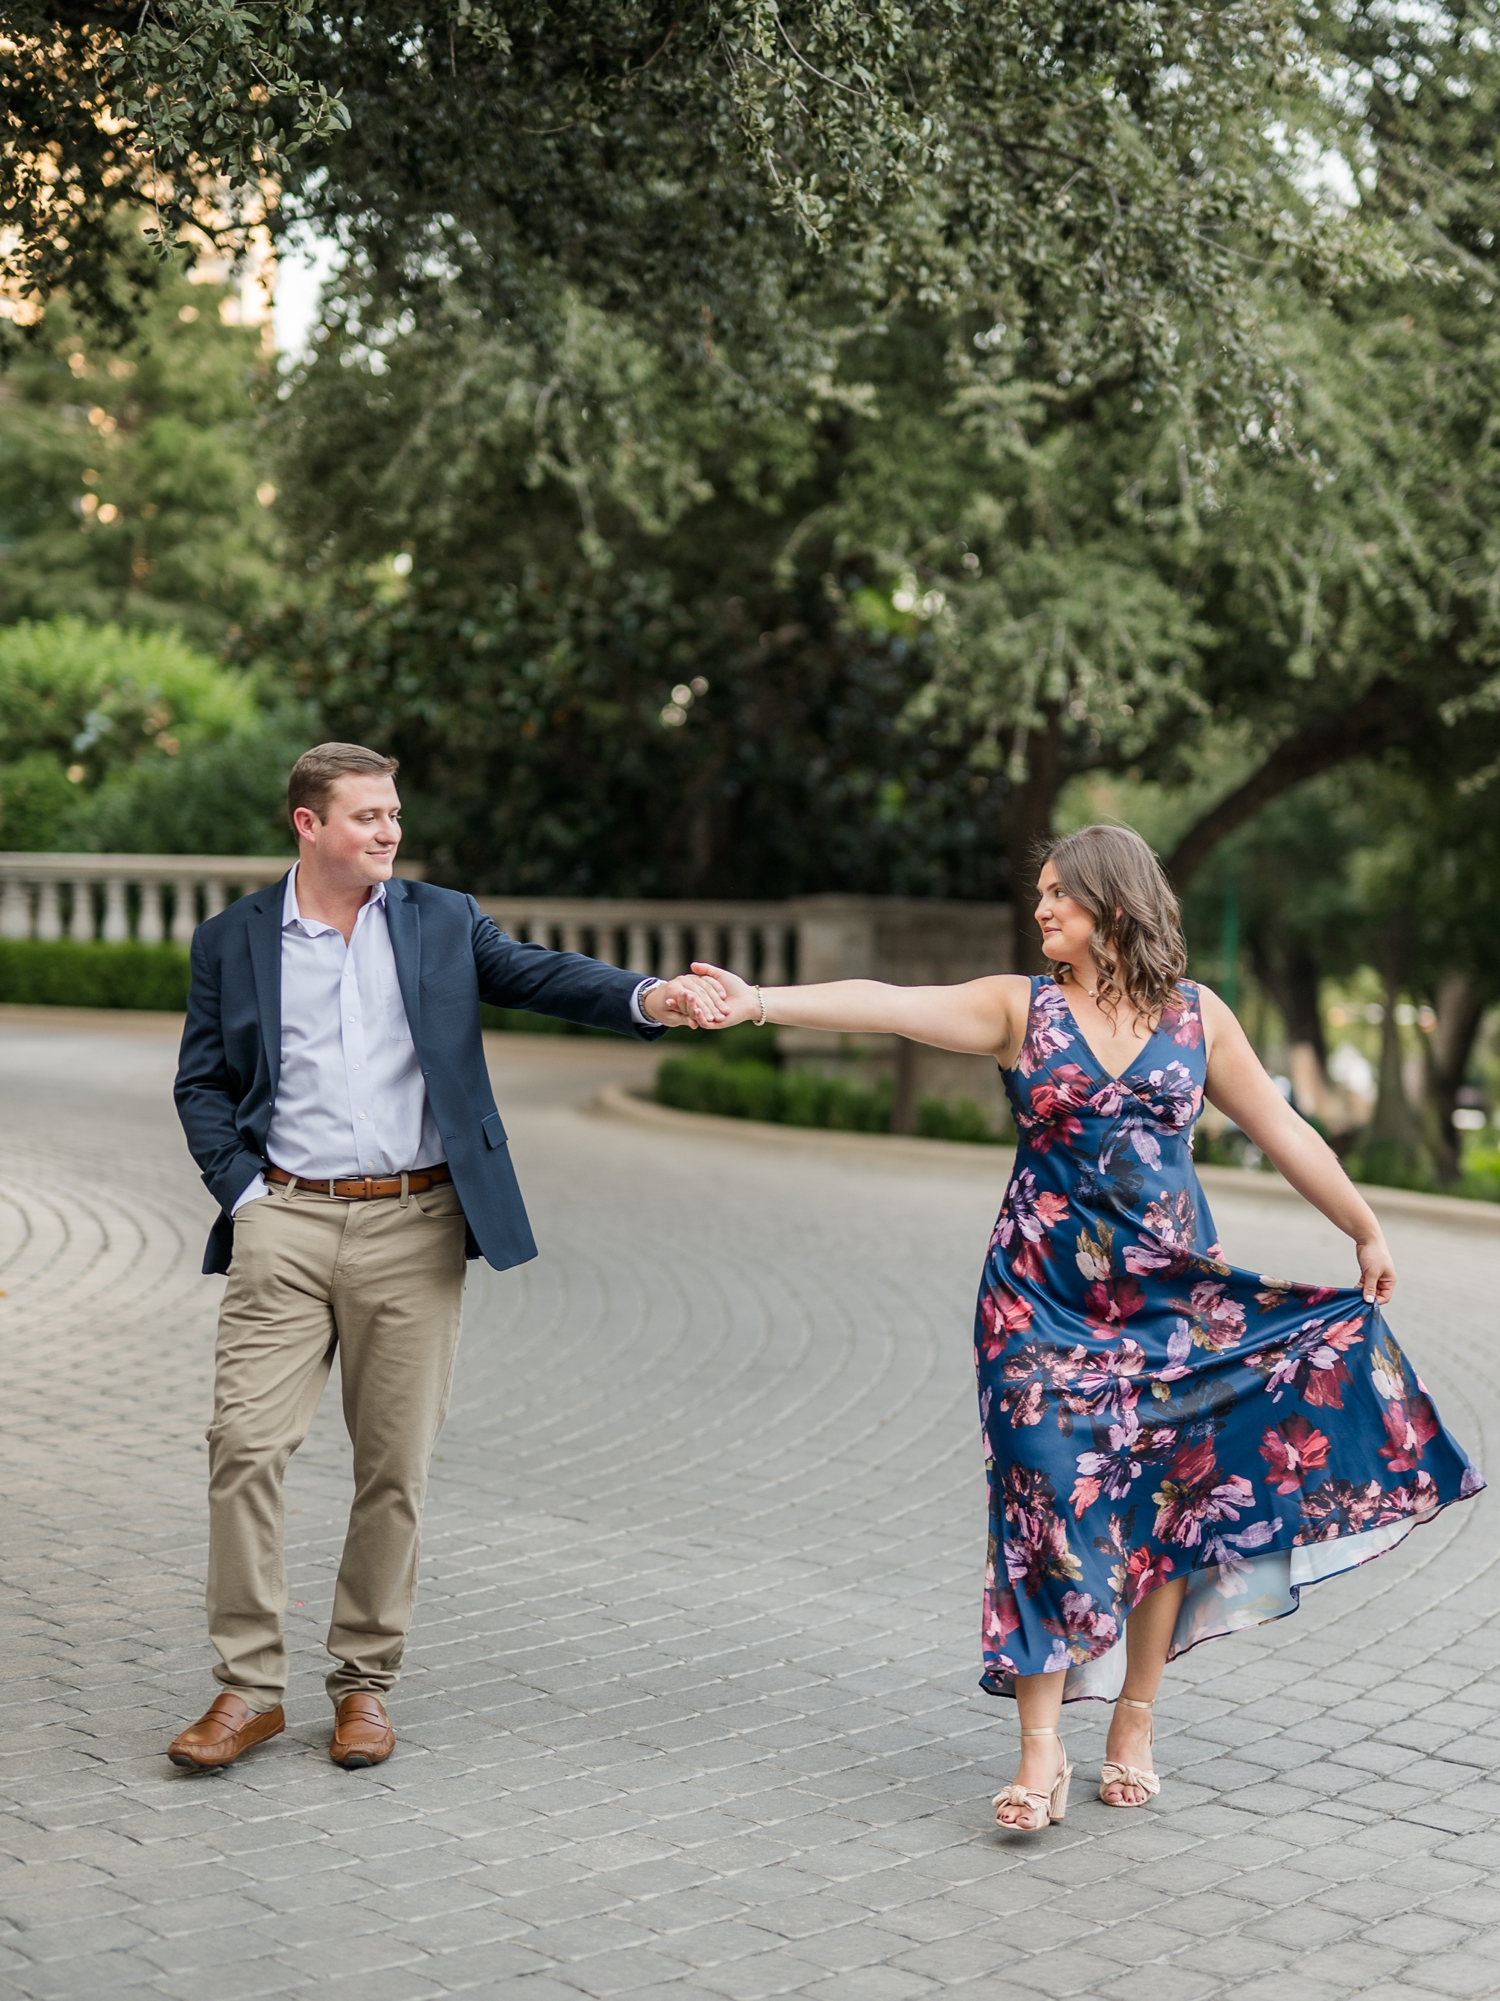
x=449 y=958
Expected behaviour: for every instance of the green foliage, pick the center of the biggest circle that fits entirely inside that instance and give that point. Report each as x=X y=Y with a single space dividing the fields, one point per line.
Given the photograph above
x=1384 y=1164
x=224 y=796
x=1101 y=171
x=542 y=750
x=738 y=1080
x=753 y=1090
x=97 y=692
x=66 y=974
x=747 y=1042
x=129 y=467
x=1481 y=1174
x=960 y=1120
x=132 y=741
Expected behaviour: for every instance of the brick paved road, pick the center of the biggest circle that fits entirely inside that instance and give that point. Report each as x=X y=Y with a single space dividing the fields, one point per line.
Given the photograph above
x=691 y=1707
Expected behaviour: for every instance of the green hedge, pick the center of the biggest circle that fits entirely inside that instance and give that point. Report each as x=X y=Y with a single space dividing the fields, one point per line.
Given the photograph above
x=737 y=1090
x=66 y=974
x=755 y=1090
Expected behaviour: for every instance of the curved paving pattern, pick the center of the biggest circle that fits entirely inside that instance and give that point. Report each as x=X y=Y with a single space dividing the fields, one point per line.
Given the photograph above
x=691 y=1705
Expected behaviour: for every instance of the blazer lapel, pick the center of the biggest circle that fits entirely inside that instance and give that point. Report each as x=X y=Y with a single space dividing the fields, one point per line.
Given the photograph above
x=404 y=921
x=265 y=960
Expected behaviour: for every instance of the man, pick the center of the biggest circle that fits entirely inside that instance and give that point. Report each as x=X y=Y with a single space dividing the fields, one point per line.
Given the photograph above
x=333 y=1089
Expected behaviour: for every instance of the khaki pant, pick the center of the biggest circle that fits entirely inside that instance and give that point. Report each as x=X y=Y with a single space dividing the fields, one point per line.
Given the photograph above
x=381 y=1284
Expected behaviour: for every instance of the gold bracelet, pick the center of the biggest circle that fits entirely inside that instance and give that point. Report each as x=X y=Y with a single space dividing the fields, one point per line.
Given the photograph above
x=760 y=997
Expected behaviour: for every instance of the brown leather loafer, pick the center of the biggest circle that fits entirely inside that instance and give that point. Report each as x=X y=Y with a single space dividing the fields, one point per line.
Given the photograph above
x=362 y=1733
x=226 y=1728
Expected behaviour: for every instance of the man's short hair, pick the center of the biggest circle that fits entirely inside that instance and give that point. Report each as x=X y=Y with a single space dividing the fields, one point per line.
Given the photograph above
x=315 y=771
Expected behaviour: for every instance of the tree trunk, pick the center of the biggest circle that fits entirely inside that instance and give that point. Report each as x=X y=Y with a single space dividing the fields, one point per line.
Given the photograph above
x=1394 y=1126
x=1459 y=1004
x=1026 y=826
x=1380 y=718
x=1292 y=977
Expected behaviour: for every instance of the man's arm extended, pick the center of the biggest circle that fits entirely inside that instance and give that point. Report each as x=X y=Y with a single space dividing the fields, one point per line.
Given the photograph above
x=207 y=1102
x=580 y=989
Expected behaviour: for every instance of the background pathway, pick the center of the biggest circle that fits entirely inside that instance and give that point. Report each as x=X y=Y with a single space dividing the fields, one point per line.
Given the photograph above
x=691 y=1704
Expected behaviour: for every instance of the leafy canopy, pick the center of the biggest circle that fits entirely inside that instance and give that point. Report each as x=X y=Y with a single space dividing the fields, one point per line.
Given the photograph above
x=1101 y=166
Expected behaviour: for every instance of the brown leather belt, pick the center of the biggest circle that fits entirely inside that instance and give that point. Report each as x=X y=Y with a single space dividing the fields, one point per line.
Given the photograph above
x=367 y=1190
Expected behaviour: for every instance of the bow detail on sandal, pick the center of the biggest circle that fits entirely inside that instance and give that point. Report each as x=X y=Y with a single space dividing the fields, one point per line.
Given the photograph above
x=1117 y=1777
x=1042 y=1808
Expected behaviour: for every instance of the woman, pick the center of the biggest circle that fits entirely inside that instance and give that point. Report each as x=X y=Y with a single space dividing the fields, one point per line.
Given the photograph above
x=1175 y=1446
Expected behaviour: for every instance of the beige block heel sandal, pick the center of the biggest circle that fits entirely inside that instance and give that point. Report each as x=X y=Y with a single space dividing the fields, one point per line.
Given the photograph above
x=1120 y=1776
x=1043 y=1808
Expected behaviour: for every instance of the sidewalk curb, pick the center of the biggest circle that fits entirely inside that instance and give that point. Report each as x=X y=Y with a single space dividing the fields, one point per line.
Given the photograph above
x=616 y=1102
x=123 y=1020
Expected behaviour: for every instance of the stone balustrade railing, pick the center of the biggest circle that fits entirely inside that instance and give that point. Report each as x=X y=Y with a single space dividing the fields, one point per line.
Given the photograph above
x=114 y=897
x=165 y=897
x=908 y=940
x=805 y=938
x=756 y=940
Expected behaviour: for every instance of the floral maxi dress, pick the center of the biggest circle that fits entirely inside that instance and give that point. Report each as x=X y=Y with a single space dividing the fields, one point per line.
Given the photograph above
x=1150 y=1412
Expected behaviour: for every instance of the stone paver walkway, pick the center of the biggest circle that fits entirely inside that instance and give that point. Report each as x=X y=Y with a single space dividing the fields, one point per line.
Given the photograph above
x=691 y=1705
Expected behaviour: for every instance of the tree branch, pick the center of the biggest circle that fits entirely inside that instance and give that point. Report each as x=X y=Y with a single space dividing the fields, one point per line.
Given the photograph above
x=1381 y=718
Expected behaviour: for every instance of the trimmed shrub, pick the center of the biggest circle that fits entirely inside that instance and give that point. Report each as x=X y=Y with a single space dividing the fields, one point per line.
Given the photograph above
x=732 y=1087
x=962 y=1120
x=753 y=1090
x=69 y=974
x=1481 y=1176
x=748 y=1043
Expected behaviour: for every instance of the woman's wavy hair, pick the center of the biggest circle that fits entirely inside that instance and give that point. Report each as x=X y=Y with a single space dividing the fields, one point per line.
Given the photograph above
x=1137 y=946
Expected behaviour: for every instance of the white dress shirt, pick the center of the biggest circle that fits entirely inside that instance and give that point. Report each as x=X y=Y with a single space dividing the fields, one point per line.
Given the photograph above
x=350 y=1098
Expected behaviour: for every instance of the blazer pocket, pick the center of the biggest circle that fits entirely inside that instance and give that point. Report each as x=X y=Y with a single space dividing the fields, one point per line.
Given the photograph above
x=492 y=1129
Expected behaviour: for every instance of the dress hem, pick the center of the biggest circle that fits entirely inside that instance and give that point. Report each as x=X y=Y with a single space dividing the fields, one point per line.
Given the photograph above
x=1077 y=1671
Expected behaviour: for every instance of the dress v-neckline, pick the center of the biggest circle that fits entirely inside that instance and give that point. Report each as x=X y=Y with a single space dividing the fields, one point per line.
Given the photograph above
x=1099 y=1063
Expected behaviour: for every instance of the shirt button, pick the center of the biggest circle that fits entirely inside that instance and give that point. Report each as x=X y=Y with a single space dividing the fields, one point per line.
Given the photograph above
x=361 y=1118
x=353 y=1066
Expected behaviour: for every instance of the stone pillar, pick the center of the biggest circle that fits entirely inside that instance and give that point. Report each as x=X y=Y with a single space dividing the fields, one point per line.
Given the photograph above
x=116 y=918
x=572 y=937
x=607 y=944
x=778 y=966
x=15 y=909
x=213 y=897
x=48 y=911
x=674 y=948
x=638 y=949
x=184 y=909
x=79 y=922
x=741 y=951
x=151 y=929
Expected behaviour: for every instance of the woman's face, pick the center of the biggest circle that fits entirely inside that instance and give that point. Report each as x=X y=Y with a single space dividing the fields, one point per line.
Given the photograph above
x=1066 y=926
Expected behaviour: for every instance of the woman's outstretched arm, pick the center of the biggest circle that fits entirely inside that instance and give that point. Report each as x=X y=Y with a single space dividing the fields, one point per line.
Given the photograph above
x=1237 y=1083
x=977 y=1017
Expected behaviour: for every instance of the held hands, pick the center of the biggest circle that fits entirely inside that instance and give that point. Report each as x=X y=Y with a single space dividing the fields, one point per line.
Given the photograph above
x=739 y=1002
x=1377 y=1272
x=690 y=1001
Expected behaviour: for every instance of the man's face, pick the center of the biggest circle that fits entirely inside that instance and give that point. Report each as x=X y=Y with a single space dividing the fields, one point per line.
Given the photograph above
x=358 y=839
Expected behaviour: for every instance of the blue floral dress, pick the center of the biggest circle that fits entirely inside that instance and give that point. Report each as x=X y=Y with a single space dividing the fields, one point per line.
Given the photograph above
x=1152 y=1413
